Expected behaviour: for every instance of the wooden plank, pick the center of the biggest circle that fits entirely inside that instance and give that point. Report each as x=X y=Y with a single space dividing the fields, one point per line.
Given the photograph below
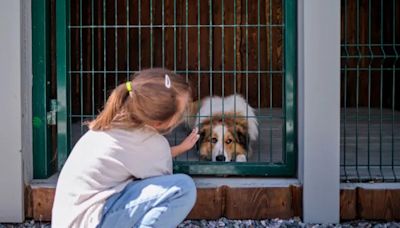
x=205 y=61
x=217 y=19
x=209 y=203
x=252 y=86
x=74 y=55
x=277 y=43
x=157 y=33
x=228 y=44
x=239 y=43
x=42 y=203
x=145 y=53
x=169 y=34
x=258 y=203
x=28 y=202
x=348 y=204
x=297 y=200
x=98 y=58
x=379 y=203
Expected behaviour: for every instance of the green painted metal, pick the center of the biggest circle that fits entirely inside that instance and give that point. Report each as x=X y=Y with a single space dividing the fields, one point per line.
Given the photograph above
x=290 y=79
x=63 y=81
x=288 y=27
x=42 y=163
x=234 y=169
x=369 y=57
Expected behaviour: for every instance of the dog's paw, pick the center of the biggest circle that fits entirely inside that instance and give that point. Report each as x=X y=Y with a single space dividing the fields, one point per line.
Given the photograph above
x=241 y=158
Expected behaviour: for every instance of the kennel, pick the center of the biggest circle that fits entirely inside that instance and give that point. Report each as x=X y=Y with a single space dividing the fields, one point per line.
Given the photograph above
x=222 y=47
x=370 y=96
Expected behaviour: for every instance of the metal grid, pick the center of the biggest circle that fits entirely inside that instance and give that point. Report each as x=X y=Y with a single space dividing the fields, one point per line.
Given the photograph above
x=223 y=47
x=370 y=117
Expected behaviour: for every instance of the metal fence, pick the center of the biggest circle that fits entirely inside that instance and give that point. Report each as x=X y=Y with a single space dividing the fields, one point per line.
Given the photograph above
x=370 y=90
x=223 y=47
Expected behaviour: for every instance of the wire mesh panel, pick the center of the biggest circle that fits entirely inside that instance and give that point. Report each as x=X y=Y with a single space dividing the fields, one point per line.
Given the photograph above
x=222 y=47
x=370 y=116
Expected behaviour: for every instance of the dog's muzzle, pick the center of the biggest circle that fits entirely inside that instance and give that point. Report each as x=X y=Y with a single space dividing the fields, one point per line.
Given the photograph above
x=220 y=158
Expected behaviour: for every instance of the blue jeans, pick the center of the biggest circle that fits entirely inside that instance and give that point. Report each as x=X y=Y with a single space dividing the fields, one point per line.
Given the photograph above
x=162 y=201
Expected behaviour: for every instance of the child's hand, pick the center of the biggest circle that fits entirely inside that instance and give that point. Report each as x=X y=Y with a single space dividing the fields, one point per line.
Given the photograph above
x=187 y=143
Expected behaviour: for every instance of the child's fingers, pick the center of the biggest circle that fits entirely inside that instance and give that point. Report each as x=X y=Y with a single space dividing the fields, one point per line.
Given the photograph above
x=193 y=133
x=196 y=137
x=192 y=138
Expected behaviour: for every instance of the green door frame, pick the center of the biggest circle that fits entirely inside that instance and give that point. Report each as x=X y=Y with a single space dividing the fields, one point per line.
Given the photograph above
x=41 y=153
x=42 y=160
x=62 y=61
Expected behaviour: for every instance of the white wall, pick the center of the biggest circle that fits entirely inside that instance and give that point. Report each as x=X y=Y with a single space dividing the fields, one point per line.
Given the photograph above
x=319 y=108
x=11 y=177
x=26 y=89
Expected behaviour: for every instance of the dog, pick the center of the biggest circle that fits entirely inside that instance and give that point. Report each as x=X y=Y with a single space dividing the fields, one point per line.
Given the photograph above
x=227 y=126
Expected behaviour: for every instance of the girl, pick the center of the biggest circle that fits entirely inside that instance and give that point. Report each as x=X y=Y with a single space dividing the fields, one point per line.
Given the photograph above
x=119 y=174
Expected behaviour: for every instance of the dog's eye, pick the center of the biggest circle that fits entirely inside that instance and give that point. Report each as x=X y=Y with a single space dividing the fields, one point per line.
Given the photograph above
x=214 y=140
x=228 y=141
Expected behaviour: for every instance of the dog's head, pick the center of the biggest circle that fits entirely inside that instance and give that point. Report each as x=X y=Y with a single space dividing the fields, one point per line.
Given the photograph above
x=224 y=140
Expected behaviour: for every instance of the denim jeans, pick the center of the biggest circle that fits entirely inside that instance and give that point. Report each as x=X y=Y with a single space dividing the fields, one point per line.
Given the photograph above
x=162 y=201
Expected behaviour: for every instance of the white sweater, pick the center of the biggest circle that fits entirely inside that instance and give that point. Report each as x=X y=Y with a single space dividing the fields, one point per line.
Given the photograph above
x=103 y=163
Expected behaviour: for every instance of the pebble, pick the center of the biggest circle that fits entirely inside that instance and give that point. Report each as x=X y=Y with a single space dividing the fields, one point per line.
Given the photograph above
x=224 y=222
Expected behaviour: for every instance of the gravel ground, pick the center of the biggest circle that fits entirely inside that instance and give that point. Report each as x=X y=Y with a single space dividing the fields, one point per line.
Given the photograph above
x=223 y=222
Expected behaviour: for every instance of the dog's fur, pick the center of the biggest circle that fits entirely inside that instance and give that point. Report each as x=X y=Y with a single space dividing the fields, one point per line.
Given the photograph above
x=227 y=126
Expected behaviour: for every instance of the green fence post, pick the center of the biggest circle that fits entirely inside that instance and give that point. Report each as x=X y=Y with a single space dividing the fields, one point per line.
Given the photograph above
x=290 y=76
x=42 y=167
x=62 y=59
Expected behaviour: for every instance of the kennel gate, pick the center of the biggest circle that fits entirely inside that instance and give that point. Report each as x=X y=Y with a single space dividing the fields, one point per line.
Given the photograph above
x=223 y=47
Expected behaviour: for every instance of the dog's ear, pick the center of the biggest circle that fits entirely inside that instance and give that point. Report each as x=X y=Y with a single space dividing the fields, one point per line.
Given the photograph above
x=243 y=139
x=202 y=133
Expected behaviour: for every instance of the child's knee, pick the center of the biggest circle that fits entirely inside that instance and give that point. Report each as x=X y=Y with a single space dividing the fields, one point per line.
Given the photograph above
x=187 y=185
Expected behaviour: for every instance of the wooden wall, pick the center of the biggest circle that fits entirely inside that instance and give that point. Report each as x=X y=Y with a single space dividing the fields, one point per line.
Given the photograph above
x=107 y=48
x=355 y=29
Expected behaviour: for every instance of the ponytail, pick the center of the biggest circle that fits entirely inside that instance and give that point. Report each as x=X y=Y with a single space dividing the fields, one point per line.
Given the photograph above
x=147 y=98
x=111 y=110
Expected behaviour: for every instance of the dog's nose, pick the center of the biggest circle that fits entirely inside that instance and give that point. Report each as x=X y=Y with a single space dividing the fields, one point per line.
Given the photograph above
x=220 y=158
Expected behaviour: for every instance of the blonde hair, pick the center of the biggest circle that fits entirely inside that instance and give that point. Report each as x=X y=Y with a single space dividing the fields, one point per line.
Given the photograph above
x=151 y=99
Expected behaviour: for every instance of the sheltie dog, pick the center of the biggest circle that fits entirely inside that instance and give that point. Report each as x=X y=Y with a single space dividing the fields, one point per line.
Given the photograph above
x=227 y=126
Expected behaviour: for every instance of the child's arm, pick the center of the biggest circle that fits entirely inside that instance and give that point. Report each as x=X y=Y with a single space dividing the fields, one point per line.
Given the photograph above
x=186 y=145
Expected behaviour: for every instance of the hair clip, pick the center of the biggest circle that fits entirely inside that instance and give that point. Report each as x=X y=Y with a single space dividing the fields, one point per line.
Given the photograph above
x=128 y=86
x=167 y=81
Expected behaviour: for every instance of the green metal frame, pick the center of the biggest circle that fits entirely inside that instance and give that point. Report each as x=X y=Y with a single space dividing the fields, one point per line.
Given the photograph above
x=62 y=59
x=42 y=166
x=288 y=168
